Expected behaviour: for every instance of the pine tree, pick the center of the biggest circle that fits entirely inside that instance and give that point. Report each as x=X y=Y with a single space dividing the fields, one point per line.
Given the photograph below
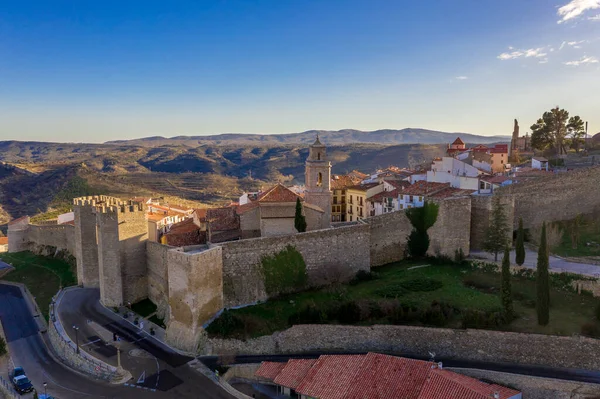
x=542 y=280
x=507 y=304
x=496 y=237
x=299 y=219
x=520 y=245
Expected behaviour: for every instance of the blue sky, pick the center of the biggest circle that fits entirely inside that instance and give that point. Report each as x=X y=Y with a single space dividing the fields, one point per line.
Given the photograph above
x=101 y=70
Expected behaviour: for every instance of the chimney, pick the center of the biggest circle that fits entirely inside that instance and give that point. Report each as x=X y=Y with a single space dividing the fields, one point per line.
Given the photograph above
x=440 y=365
x=496 y=395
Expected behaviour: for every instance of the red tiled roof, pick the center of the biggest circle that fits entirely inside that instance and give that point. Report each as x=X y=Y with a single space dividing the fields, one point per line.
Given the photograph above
x=331 y=376
x=363 y=187
x=360 y=175
x=339 y=182
x=241 y=209
x=294 y=372
x=495 y=179
x=17 y=220
x=201 y=213
x=221 y=219
x=423 y=187
x=185 y=226
x=389 y=377
x=447 y=384
x=458 y=141
x=278 y=193
x=384 y=194
x=269 y=370
x=401 y=184
x=499 y=149
x=3 y=240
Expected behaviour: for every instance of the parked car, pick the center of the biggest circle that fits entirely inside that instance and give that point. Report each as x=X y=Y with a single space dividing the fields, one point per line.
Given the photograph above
x=22 y=384
x=17 y=372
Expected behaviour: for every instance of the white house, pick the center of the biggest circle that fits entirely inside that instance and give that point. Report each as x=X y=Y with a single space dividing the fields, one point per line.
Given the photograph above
x=539 y=163
x=459 y=174
x=415 y=195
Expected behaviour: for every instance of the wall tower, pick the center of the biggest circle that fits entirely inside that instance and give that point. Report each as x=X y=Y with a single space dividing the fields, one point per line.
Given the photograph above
x=86 y=246
x=318 y=180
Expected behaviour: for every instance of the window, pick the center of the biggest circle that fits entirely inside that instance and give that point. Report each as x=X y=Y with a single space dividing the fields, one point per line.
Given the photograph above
x=401 y=206
x=350 y=217
x=401 y=196
x=420 y=199
x=343 y=199
x=318 y=156
x=410 y=199
x=335 y=200
x=320 y=179
x=333 y=209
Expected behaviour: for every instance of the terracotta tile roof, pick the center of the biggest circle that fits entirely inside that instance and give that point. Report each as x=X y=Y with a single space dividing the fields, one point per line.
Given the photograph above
x=357 y=174
x=499 y=149
x=447 y=384
x=458 y=141
x=269 y=370
x=14 y=221
x=451 y=192
x=294 y=372
x=166 y=209
x=201 y=213
x=3 y=240
x=389 y=377
x=331 y=376
x=278 y=193
x=241 y=209
x=185 y=226
x=339 y=182
x=221 y=219
x=384 y=194
x=423 y=187
x=480 y=148
x=495 y=179
x=363 y=187
x=400 y=184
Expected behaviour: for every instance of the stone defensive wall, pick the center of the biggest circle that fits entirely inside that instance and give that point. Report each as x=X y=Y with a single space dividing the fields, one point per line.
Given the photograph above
x=35 y=237
x=327 y=253
x=481 y=212
x=557 y=197
x=473 y=345
x=451 y=231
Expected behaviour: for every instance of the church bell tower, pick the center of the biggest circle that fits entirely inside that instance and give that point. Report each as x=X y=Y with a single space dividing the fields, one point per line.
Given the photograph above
x=318 y=180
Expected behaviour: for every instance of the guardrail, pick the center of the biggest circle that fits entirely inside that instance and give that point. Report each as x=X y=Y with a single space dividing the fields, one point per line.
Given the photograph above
x=7 y=390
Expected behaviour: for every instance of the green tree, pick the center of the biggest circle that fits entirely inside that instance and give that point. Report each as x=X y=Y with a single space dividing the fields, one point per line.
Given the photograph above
x=576 y=132
x=520 y=245
x=284 y=271
x=422 y=219
x=542 y=281
x=299 y=219
x=507 y=304
x=553 y=128
x=497 y=234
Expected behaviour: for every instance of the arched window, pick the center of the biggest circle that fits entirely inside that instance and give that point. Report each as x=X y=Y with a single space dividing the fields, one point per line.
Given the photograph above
x=318 y=156
x=320 y=179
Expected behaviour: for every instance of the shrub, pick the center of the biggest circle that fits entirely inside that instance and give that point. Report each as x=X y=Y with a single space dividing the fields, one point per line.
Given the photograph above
x=403 y=313
x=421 y=218
x=309 y=314
x=3 y=350
x=459 y=256
x=363 y=275
x=391 y=291
x=284 y=271
x=478 y=283
x=439 y=314
x=472 y=318
x=226 y=325
x=591 y=330
x=349 y=313
x=422 y=284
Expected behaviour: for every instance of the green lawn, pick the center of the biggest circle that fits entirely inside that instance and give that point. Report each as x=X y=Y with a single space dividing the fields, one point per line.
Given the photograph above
x=144 y=308
x=43 y=276
x=400 y=294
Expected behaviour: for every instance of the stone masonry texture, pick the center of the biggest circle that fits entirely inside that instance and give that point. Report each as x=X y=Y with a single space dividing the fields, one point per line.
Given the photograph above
x=481 y=212
x=326 y=252
x=474 y=345
x=86 y=247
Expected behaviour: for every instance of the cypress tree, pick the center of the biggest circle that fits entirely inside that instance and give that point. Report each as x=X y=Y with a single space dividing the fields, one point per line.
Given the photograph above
x=542 y=280
x=496 y=237
x=507 y=304
x=299 y=219
x=520 y=246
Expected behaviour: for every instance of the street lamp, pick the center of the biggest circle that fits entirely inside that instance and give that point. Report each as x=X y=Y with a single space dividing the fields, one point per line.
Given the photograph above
x=76 y=337
x=45 y=391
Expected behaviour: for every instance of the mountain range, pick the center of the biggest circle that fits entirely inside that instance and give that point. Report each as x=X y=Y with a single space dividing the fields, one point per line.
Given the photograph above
x=329 y=137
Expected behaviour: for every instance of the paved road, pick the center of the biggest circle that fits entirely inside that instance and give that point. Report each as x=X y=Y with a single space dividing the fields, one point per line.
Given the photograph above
x=28 y=349
x=529 y=370
x=557 y=264
x=165 y=370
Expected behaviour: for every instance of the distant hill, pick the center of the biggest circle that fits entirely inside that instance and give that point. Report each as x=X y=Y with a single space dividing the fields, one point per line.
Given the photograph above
x=339 y=137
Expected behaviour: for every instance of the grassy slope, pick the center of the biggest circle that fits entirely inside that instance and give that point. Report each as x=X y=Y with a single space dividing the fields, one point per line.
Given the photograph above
x=568 y=313
x=43 y=276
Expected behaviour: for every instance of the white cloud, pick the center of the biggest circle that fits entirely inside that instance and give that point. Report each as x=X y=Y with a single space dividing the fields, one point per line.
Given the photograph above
x=574 y=44
x=595 y=18
x=576 y=8
x=532 y=52
x=582 y=61
x=462 y=78
x=544 y=61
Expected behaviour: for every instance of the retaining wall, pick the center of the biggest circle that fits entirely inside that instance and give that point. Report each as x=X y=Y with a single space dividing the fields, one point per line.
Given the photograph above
x=328 y=254
x=474 y=345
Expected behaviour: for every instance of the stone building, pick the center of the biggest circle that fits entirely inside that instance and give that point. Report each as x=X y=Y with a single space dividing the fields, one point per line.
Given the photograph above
x=519 y=144
x=318 y=179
